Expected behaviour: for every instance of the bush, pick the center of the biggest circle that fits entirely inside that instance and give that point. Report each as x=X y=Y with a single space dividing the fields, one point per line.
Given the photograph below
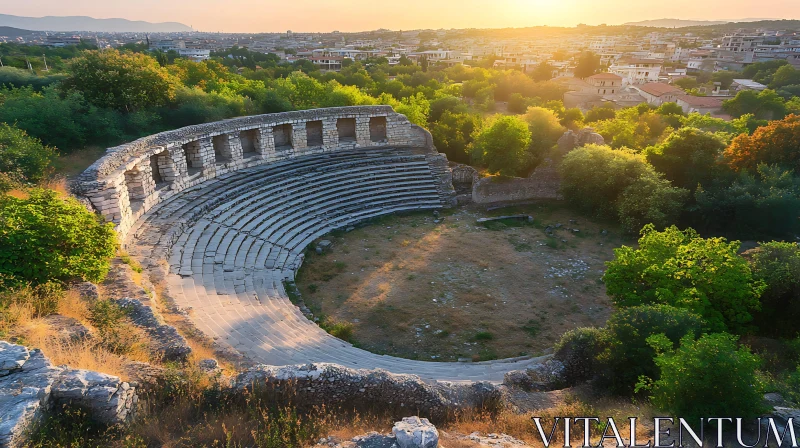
x=109 y=320
x=46 y=237
x=341 y=330
x=41 y=300
x=707 y=377
x=628 y=355
x=23 y=156
x=681 y=269
x=688 y=157
x=577 y=350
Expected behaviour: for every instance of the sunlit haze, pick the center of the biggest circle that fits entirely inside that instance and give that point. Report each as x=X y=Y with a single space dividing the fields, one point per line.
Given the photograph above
x=358 y=15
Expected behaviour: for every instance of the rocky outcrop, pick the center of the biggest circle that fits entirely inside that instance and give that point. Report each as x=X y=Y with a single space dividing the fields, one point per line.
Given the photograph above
x=334 y=385
x=415 y=432
x=546 y=376
x=571 y=139
x=30 y=386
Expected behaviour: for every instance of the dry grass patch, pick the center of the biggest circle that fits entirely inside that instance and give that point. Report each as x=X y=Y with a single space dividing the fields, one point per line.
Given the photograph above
x=417 y=289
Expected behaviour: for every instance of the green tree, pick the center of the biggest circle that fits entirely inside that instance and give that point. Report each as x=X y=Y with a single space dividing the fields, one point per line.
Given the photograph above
x=453 y=133
x=627 y=355
x=593 y=177
x=600 y=113
x=501 y=145
x=765 y=104
x=681 y=269
x=754 y=205
x=124 y=81
x=709 y=376
x=650 y=200
x=778 y=265
x=542 y=72
x=785 y=76
x=45 y=237
x=22 y=156
x=688 y=157
x=588 y=65
x=546 y=129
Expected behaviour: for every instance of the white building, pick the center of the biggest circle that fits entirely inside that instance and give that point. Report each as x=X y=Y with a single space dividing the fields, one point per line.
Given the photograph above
x=637 y=71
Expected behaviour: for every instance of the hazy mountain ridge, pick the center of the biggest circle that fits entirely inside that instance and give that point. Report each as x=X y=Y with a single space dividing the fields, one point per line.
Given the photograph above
x=12 y=32
x=682 y=23
x=84 y=23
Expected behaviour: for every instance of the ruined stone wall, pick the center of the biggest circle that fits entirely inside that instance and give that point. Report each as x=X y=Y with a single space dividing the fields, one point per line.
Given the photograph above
x=131 y=178
x=544 y=183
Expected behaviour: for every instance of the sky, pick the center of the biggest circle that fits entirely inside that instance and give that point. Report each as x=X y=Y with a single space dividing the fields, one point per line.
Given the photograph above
x=254 y=16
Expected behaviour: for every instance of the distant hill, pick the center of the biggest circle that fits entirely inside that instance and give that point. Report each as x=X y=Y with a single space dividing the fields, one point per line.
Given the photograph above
x=11 y=32
x=680 y=23
x=82 y=23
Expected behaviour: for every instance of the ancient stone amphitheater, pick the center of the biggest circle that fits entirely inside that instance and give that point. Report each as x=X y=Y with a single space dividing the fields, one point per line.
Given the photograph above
x=232 y=206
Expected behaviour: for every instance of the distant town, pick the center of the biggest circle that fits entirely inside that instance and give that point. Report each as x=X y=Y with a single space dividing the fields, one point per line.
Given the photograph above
x=639 y=64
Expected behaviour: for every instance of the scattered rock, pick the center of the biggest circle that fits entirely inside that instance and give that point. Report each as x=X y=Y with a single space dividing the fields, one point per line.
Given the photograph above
x=88 y=291
x=323 y=246
x=415 y=432
x=67 y=328
x=30 y=386
x=209 y=366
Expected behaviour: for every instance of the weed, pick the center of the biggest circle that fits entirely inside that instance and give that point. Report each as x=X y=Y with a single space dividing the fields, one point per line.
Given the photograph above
x=532 y=327
x=483 y=336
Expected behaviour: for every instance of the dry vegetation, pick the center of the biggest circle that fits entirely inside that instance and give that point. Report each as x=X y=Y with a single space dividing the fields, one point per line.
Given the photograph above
x=418 y=289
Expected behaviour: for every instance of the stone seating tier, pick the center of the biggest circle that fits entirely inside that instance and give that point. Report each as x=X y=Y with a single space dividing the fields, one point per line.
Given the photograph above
x=231 y=242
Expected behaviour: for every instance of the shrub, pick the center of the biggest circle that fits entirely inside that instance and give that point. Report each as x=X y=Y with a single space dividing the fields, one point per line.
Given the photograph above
x=706 y=377
x=109 y=320
x=46 y=237
x=40 y=300
x=24 y=156
x=483 y=336
x=679 y=268
x=577 y=350
x=341 y=330
x=628 y=355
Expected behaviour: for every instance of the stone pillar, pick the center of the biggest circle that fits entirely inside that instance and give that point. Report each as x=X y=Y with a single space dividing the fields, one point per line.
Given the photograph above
x=299 y=137
x=362 y=131
x=330 y=135
x=178 y=157
x=206 y=156
x=167 y=168
x=262 y=148
x=235 y=147
x=267 y=143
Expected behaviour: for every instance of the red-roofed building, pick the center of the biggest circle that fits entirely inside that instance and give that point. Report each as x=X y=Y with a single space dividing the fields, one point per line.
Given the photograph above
x=701 y=104
x=605 y=83
x=657 y=93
